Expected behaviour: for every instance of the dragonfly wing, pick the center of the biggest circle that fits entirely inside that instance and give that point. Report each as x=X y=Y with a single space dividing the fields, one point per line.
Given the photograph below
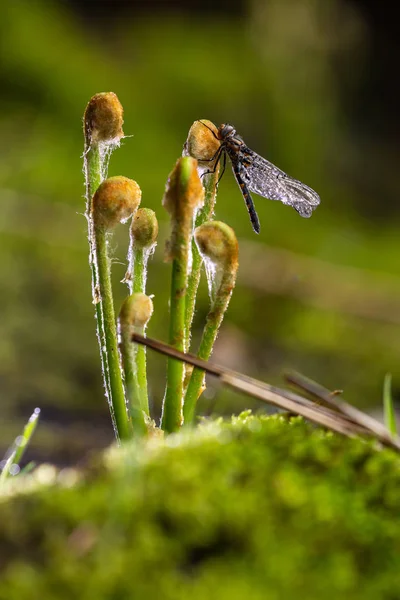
x=263 y=178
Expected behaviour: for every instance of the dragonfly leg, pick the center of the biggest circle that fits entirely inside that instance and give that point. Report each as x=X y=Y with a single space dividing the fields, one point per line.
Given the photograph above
x=223 y=169
x=217 y=158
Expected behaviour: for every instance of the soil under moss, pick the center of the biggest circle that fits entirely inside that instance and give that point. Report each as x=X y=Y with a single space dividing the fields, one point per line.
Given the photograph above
x=260 y=508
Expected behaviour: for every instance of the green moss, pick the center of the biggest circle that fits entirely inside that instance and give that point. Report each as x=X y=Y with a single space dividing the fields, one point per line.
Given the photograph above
x=260 y=508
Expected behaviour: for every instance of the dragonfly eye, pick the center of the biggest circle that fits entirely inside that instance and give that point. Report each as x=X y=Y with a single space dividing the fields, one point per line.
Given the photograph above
x=226 y=131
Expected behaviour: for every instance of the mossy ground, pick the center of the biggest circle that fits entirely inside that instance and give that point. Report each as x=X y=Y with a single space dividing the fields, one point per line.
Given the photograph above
x=260 y=508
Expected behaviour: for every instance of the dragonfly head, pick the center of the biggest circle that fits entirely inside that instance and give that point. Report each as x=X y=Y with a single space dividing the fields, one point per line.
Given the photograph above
x=226 y=131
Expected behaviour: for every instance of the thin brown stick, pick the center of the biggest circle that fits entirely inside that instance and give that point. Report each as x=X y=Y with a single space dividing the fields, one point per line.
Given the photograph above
x=351 y=412
x=283 y=399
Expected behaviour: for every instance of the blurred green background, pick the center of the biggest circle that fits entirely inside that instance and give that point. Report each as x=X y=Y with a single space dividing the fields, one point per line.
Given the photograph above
x=304 y=83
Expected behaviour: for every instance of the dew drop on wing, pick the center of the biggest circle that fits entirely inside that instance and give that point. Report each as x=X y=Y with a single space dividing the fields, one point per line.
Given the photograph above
x=304 y=210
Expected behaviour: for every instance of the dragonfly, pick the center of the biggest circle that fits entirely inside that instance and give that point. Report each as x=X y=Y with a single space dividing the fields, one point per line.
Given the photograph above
x=254 y=173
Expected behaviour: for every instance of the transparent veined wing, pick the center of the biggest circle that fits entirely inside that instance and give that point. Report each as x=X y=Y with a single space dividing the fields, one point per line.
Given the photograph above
x=265 y=179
